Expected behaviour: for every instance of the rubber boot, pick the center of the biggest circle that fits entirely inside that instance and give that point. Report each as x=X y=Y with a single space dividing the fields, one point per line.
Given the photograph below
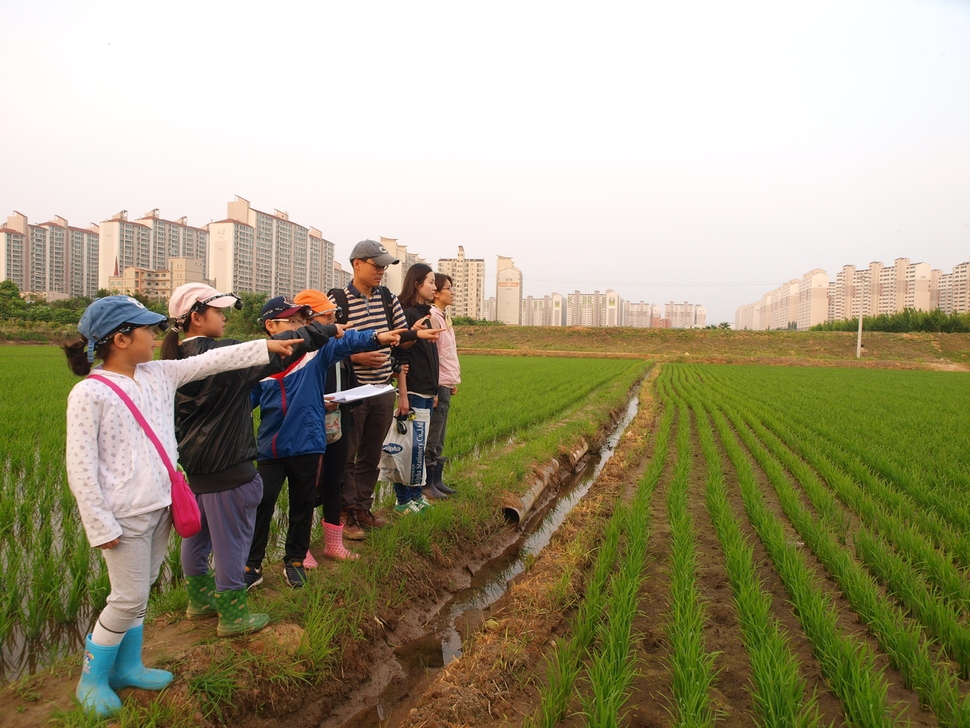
x=93 y=691
x=235 y=617
x=439 y=469
x=202 y=600
x=129 y=671
x=333 y=539
x=431 y=488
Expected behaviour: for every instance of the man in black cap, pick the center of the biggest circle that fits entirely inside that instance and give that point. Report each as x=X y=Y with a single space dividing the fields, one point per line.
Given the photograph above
x=369 y=306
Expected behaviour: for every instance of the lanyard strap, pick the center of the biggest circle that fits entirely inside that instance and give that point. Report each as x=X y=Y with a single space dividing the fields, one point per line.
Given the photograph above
x=141 y=421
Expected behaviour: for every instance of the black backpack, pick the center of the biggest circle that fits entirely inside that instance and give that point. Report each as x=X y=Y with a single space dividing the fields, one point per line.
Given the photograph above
x=339 y=296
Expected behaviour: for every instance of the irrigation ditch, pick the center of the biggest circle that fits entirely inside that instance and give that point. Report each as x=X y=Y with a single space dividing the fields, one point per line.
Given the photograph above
x=421 y=645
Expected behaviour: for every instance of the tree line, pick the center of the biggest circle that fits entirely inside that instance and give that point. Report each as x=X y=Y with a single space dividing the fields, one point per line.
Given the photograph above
x=905 y=321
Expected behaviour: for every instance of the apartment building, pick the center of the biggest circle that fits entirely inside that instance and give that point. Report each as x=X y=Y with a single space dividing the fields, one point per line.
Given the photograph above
x=508 y=292
x=813 y=299
x=546 y=311
x=877 y=289
x=490 y=309
x=685 y=315
x=14 y=252
x=641 y=315
x=468 y=275
x=261 y=252
x=147 y=243
x=51 y=258
x=954 y=290
x=394 y=276
x=341 y=277
x=595 y=309
x=159 y=284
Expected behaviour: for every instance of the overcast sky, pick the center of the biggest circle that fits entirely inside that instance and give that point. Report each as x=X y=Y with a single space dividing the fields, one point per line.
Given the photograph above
x=698 y=151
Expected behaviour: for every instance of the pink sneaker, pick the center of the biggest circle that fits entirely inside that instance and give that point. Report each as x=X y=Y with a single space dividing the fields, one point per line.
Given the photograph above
x=309 y=562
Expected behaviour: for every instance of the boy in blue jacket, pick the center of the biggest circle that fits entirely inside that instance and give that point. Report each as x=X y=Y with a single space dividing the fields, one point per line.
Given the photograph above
x=292 y=433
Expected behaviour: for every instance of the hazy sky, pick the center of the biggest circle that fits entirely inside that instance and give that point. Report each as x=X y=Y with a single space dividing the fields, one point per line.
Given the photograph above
x=699 y=151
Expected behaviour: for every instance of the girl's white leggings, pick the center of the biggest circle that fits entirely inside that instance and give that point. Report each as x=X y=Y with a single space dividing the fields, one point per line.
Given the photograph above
x=133 y=567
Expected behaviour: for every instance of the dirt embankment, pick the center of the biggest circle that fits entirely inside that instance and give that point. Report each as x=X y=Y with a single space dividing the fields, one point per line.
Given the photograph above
x=788 y=348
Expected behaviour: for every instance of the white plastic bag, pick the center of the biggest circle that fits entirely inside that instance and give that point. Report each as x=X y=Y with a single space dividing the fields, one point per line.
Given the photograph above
x=402 y=456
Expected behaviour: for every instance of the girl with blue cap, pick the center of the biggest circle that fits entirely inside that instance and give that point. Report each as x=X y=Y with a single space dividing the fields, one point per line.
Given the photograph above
x=123 y=491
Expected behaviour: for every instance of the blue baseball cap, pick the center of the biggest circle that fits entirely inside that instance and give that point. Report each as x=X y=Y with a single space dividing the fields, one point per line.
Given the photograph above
x=106 y=315
x=282 y=308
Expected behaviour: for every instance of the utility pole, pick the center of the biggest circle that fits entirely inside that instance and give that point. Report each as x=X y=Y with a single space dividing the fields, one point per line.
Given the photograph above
x=858 y=343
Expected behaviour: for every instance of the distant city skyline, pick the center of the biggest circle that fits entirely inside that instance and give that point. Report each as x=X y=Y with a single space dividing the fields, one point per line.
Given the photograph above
x=61 y=251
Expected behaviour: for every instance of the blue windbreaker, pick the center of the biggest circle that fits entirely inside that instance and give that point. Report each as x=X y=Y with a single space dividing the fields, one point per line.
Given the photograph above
x=291 y=409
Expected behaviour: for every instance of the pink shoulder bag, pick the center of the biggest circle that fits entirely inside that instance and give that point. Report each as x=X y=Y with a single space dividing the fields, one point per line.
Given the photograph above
x=185 y=509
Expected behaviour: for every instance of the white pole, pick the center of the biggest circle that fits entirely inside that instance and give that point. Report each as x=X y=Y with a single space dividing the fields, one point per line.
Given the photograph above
x=858 y=343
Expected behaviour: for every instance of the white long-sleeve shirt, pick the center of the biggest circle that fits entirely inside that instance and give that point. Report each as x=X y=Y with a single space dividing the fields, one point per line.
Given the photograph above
x=113 y=469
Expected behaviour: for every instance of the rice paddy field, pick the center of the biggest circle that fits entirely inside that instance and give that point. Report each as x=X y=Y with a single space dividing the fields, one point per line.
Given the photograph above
x=795 y=553
x=773 y=546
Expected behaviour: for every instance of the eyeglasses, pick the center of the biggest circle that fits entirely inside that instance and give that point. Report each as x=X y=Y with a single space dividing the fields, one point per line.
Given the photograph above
x=379 y=267
x=298 y=321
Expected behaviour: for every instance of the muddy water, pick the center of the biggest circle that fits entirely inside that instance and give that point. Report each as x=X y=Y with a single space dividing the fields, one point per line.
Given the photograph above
x=419 y=659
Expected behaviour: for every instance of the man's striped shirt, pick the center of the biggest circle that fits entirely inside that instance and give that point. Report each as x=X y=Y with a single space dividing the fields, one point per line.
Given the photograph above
x=368 y=314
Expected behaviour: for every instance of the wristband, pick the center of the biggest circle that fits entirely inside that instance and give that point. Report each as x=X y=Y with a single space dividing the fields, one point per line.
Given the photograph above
x=409 y=335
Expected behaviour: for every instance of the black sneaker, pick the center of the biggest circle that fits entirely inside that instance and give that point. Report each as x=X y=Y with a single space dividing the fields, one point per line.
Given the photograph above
x=253 y=577
x=294 y=574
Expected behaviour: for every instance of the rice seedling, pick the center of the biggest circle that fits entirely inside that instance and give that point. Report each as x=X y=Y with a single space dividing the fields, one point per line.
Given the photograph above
x=780 y=694
x=565 y=665
x=903 y=641
x=846 y=661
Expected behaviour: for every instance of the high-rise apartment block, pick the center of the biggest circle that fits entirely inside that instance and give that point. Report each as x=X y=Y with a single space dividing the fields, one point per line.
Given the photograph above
x=877 y=289
x=255 y=251
x=955 y=290
x=341 y=277
x=394 y=275
x=508 y=292
x=51 y=258
x=595 y=309
x=685 y=315
x=545 y=311
x=468 y=275
x=642 y=315
x=147 y=243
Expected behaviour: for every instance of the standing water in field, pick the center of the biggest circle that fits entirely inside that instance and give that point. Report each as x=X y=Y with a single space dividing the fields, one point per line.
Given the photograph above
x=443 y=642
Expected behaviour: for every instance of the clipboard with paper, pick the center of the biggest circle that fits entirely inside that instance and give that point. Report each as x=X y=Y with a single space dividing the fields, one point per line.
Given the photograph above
x=362 y=392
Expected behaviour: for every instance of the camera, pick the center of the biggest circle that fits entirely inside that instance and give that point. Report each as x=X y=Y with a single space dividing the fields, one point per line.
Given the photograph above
x=396 y=364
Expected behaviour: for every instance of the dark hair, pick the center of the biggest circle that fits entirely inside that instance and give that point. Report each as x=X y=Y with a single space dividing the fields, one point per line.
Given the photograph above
x=77 y=355
x=170 y=344
x=409 y=289
x=440 y=278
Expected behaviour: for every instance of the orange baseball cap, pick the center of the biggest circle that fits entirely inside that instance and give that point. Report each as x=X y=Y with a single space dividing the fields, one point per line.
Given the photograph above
x=316 y=300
